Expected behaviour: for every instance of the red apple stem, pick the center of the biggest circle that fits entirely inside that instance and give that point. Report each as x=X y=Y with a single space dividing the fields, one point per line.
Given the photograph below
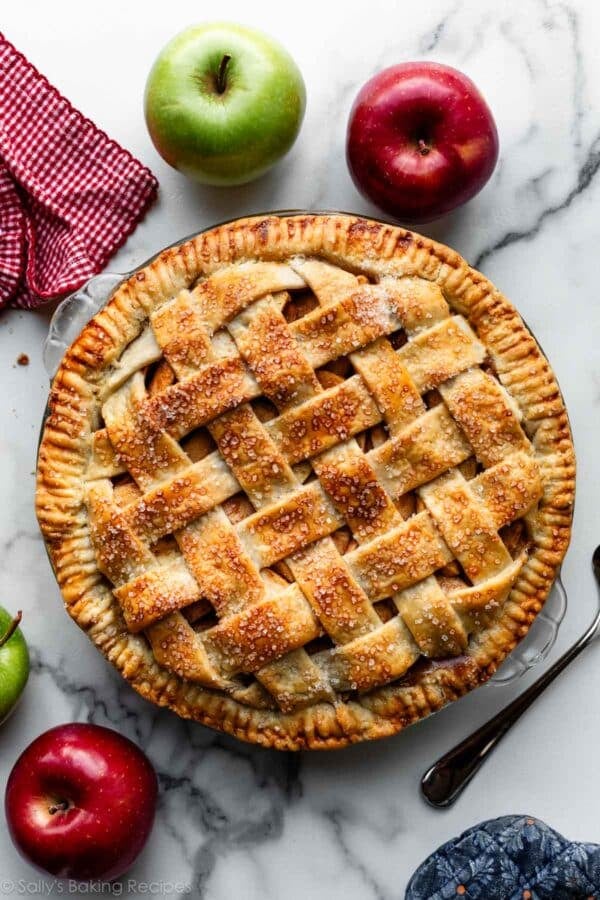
x=423 y=146
x=221 y=83
x=11 y=629
x=59 y=806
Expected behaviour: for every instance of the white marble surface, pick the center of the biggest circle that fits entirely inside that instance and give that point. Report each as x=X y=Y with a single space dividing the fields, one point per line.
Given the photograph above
x=236 y=821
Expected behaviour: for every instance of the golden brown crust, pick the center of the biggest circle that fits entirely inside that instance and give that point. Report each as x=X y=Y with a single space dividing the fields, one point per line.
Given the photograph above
x=376 y=250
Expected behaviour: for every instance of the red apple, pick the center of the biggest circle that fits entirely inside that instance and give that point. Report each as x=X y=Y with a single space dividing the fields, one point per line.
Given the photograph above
x=421 y=140
x=80 y=802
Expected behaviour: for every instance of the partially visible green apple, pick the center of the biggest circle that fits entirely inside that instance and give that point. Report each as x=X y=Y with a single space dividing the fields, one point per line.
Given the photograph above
x=14 y=662
x=223 y=103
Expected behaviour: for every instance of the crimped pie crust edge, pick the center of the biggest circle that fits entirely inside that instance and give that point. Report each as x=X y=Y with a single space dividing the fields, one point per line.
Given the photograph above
x=375 y=249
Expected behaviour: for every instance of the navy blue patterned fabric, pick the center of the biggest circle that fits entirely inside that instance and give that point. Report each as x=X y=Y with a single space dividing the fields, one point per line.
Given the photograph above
x=511 y=858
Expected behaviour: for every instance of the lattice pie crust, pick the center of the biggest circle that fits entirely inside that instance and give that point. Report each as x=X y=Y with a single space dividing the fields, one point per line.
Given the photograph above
x=306 y=479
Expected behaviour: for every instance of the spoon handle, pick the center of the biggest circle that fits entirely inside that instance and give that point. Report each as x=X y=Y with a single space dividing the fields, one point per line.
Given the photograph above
x=448 y=777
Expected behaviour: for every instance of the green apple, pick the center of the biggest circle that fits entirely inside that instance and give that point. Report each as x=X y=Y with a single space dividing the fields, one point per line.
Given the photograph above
x=14 y=662
x=223 y=103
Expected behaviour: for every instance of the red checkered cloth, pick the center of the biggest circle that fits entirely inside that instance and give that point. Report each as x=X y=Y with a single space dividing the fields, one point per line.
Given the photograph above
x=69 y=195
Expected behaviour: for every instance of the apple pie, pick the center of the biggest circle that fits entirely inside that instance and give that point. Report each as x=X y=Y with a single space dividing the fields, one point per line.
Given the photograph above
x=305 y=479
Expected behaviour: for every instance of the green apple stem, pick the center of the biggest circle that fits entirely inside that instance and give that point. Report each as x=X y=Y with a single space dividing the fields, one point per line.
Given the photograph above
x=221 y=83
x=11 y=629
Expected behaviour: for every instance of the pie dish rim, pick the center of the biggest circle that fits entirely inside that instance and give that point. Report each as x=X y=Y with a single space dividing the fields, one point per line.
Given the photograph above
x=412 y=697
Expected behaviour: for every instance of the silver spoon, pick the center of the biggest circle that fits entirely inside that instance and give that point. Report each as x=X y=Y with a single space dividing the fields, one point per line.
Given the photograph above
x=449 y=776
